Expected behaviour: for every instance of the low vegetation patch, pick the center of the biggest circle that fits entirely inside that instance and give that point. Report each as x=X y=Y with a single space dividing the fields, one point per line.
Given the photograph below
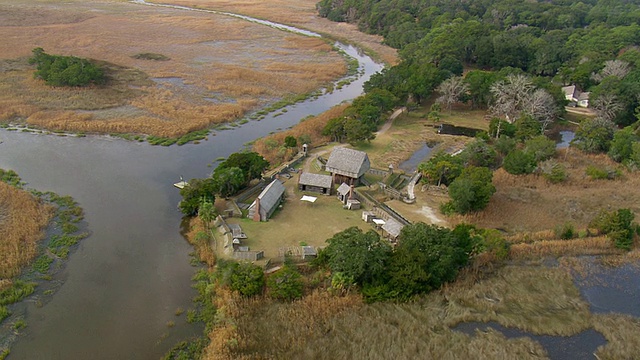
x=151 y=56
x=58 y=70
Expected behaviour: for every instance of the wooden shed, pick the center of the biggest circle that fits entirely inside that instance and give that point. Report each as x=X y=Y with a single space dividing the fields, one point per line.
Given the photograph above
x=315 y=182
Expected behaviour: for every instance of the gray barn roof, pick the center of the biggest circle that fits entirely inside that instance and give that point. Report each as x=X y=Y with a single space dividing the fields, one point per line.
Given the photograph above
x=348 y=162
x=269 y=197
x=319 y=180
x=392 y=227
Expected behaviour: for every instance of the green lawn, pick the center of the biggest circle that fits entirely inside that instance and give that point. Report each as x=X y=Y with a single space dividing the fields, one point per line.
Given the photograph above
x=299 y=222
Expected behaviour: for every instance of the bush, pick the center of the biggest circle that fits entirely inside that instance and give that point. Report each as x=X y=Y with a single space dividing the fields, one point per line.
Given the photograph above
x=243 y=277
x=621 y=148
x=285 y=284
x=519 y=162
x=478 y=153
x=541 y=147
x=594 y=135
x=552 y=171
x=504 y=145
x=597 y=173
x=565 y=231
x=472 y=190
x=617 y=225
x=506 y=129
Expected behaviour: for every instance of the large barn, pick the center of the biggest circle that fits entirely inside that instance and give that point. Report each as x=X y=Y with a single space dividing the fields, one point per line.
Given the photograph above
x=347 y=165
x=267 y=202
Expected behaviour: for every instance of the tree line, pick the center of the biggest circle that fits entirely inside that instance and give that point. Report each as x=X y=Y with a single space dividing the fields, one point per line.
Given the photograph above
x=592 y=44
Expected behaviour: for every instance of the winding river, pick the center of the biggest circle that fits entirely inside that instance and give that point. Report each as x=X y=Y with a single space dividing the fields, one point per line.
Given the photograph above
x=124 y=284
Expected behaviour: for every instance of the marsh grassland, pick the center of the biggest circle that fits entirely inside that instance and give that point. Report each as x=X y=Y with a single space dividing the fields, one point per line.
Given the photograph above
x=199 y=69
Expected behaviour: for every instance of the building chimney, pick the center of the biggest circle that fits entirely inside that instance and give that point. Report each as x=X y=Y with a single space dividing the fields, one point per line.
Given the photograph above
x=351 y=192
x=256 y=214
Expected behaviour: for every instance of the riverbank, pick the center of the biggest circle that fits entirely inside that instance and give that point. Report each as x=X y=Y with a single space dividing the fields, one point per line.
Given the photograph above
x=39 y=231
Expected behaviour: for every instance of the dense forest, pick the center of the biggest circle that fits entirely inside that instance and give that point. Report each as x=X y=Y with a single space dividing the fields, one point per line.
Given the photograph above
x=591 y=44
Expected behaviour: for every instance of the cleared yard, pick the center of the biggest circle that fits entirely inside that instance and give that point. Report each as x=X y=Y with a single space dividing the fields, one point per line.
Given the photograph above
x=299 y=222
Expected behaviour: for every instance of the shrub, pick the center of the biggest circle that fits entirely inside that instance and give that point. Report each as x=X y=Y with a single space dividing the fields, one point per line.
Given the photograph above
x=243 y=277
x=505 y=128
x=565 y=231
x=472 y=190
x=541 y=147
x=285 y=284
x=478 y=153
x=621 y=147
x=598 y=173
x=617 y=225
x=552 y=171
x=594 y=135
x=519 y=162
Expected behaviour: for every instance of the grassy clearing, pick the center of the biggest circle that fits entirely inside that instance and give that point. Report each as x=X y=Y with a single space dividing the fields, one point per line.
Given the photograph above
x=219 y=68
x=529 y=203
x=412 y=130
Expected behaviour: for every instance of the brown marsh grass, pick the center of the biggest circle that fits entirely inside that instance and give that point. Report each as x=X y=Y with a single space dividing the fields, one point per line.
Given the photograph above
x=219 y=68
x=301 y=13
x=323 y=326
x=23 y=219
x=270 y=147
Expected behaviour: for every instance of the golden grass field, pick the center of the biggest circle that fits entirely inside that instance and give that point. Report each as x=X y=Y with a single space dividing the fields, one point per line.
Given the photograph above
x=219 y=67
x=23 y=219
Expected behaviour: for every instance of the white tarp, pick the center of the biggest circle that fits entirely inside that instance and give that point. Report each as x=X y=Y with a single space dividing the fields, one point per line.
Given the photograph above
x=310 y=199
x=379 y=221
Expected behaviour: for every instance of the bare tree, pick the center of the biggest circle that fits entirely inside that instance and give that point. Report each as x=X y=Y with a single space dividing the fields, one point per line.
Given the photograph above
x=542 y=106
x=607 y=106
x=617 y=68
x=451 y=90
x=517 y=95
x=510 y=95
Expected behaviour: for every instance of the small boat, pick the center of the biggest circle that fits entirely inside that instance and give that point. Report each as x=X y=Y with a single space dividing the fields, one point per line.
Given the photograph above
x=181 y=184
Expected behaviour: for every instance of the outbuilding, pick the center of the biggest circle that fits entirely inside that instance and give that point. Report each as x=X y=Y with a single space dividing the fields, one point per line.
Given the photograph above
x=315 y=182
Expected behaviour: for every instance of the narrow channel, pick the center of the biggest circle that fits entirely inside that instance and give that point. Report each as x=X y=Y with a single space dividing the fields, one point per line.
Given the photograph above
x=124 y=284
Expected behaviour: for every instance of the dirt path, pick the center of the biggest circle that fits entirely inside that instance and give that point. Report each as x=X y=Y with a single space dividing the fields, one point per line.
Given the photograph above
x=311 y=158
x=389 y=122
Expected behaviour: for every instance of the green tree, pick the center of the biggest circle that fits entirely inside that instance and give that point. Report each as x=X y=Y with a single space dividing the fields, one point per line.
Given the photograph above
x=472 y=190
x=480 y=154
x=251 y=163
x=540 y=147
x=356 y=131
x=335 y=129
x=206 y=212
x=426 y=257
x=617 y=225
x=519 y=162
x=58 y=70
x=228 y=180
x=594 y=135
x=285 y=284
x=441 y=168
x=290 y=141
x=621 y=147
x=195 y=193
x=243 y=277
x=360 y=256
